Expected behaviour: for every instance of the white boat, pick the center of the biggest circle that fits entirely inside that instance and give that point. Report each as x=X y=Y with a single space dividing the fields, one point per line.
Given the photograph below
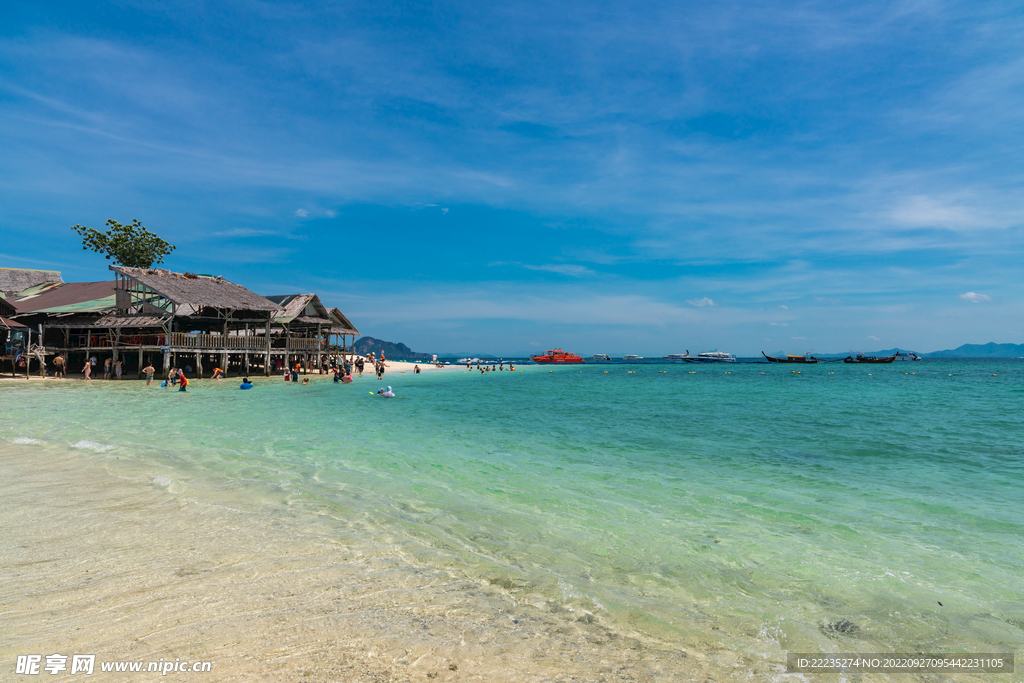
x=600 y=356
x=678 y=356
x=632 y=357
x=463 y=361
x=712 y=357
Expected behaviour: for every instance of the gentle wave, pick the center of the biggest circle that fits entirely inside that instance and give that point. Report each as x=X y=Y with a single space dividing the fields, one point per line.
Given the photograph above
x=93 y=446
x=25 y=439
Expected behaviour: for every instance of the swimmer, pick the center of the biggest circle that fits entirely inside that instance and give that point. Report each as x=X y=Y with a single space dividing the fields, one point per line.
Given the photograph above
x=246 y=384
x=183 y=380
x=305 y=381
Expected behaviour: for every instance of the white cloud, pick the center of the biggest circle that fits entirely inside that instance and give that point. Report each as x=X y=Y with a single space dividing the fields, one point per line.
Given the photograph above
x=705 y=301
x=767 y=339
x=779 y=324
x=927 y=212
x=871 y=336
x=974 y=297
x=301 y=213
x=798 y=337
x=784 y=307
x=826 y=300
x=563 y=269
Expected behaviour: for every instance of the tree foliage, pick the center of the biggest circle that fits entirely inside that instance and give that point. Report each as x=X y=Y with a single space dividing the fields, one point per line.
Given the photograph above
x=129 y=245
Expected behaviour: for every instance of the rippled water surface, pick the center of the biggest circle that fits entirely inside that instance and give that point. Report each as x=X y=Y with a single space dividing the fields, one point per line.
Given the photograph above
x=748 y=506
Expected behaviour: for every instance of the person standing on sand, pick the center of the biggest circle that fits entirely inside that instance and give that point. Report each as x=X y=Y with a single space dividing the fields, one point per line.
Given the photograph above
x=106 y=369
x=150 y=371
x=58 y=367
x=87 y=371
x=117 y=368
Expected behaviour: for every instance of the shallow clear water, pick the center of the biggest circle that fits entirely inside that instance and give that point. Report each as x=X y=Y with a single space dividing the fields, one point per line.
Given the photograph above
x=745 y=506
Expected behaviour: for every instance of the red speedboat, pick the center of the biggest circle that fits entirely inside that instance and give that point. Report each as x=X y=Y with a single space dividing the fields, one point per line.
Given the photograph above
x=557 y=356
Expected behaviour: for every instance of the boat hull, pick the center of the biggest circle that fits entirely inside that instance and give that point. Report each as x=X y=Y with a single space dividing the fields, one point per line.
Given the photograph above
x=557 y=357
x=872 y=360
x=790 y=359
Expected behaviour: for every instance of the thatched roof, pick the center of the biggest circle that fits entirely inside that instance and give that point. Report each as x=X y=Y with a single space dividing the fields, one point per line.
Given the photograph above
x=196 y=291
x=15 y=280
x=301 y=308
x=341 y=323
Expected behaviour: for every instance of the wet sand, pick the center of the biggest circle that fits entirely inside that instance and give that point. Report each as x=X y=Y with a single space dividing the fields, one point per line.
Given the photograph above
x=119 y=566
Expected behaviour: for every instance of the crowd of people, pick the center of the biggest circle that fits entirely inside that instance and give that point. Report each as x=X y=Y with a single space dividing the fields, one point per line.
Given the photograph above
x=343 y=370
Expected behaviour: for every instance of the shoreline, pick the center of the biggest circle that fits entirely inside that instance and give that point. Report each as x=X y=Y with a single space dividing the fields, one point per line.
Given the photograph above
x=128 y=570
x=393 y=367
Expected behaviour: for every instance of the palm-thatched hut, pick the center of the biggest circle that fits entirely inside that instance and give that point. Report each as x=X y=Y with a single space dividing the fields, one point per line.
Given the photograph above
x=157 y=311
x=302 y=328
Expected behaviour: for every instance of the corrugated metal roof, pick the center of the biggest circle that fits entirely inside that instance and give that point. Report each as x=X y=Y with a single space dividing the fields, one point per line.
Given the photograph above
x=69 y=297
x=6 y=308
x=7 y=322
x=91 y=321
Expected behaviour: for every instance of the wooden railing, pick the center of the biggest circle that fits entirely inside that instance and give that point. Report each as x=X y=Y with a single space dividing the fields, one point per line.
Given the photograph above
x=213 y=342
x=240 y=342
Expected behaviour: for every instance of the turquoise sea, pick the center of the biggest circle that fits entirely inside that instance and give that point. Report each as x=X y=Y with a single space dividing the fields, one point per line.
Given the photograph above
x=759 y=508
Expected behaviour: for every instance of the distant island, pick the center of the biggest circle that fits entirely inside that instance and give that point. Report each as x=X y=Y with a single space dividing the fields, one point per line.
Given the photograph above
x=990 y=350
x=399 y=351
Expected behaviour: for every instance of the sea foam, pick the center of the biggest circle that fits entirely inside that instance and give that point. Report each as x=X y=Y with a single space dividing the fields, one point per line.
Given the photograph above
x=93 y=446
x=25 y=439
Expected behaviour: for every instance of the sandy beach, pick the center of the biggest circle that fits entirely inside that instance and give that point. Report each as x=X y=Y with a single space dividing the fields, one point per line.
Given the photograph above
x=125 y=569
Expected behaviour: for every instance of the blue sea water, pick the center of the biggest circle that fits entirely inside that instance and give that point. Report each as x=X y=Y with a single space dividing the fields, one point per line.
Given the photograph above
x=748 y=507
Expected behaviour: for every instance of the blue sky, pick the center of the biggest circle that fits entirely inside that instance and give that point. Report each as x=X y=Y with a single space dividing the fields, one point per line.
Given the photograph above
x=506 y=177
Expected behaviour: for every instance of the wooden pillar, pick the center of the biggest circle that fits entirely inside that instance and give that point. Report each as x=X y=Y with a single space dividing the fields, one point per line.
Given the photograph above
x=287 y=347
x=224 y=352
x=199 y=365
x=266 y=362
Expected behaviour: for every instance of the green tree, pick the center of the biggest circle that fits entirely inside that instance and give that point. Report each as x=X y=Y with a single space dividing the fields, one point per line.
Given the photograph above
x=129 y=245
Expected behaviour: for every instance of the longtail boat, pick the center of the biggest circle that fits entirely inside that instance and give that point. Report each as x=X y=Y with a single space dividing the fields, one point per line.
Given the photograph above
x=790 y=359
x=861 y=358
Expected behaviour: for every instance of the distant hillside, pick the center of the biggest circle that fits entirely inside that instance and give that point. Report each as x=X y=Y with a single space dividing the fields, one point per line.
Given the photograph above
x=990 y=350
x=390 y=350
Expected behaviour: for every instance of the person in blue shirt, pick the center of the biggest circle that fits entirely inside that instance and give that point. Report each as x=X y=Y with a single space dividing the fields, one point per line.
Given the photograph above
x=246 y=384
